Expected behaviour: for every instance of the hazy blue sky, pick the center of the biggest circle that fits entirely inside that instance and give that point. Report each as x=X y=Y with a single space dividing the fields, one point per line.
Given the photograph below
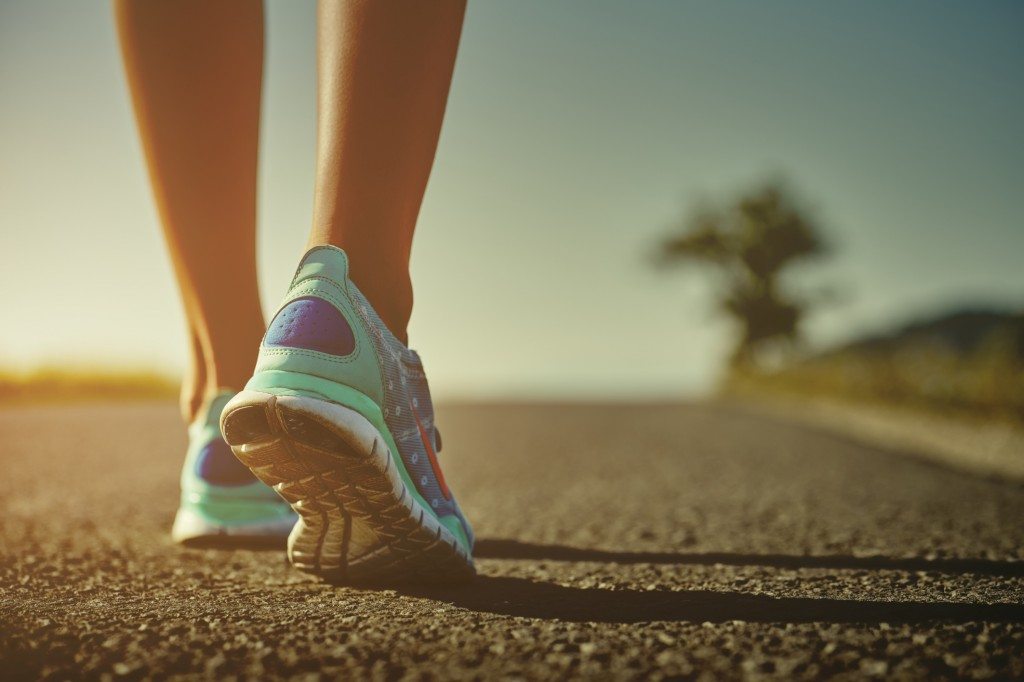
x=576 y=134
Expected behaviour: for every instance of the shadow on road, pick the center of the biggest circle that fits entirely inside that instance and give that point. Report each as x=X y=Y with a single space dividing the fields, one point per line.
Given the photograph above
x=514 y=549
x=508 y=596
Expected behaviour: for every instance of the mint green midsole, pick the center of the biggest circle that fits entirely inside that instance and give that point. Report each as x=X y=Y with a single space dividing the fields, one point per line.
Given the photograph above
x=242 y=512
x=282 y=382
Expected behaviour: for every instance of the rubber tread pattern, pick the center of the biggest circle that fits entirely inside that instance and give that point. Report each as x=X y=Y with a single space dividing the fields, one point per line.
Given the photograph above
x=331 y=484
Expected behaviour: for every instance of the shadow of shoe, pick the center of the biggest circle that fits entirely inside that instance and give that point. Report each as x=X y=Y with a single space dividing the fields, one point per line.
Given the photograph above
x=508 y=596
x=514 y=549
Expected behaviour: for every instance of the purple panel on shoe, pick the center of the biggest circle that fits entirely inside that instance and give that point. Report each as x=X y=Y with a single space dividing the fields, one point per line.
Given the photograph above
x=311 y=323
x=216 y=464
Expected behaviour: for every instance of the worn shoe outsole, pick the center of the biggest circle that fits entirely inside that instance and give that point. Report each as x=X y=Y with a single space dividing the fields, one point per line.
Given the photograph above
x=358 y=521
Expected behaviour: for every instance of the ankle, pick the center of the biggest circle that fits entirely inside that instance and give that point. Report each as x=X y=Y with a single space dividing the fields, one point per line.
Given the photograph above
x=231 y=374
x=190 y=399
x=390 y=295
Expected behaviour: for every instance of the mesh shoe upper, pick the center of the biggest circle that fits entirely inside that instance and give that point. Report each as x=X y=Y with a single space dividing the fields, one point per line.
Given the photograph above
x=307 y=336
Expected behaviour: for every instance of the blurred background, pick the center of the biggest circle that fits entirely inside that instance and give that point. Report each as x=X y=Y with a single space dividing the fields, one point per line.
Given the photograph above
x=630 y=202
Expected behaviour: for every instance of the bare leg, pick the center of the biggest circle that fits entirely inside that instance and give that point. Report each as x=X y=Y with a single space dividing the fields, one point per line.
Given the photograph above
x=384 y=73
x=193 y=384
x=194 y=69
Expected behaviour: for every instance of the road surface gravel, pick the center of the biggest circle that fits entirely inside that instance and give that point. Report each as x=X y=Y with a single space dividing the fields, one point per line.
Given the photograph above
x=614 y=542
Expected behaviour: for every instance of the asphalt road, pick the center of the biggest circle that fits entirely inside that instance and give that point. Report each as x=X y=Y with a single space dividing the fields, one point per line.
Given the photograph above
x=614 y=542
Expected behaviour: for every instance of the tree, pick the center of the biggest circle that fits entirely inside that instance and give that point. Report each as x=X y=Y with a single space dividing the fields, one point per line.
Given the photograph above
x=751 y=243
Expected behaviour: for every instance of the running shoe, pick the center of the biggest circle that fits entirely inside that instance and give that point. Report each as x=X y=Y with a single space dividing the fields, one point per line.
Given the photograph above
x=221 y=501
x=338 y=419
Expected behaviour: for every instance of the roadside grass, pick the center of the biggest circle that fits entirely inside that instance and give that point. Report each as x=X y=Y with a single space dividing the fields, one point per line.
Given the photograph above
x=988 y=384
x=57 y=384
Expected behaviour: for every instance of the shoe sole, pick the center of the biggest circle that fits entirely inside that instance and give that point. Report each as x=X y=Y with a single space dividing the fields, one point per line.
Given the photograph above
x=358 y=521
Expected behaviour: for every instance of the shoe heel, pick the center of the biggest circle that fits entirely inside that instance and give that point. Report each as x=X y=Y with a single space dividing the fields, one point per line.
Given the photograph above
x=358 y=519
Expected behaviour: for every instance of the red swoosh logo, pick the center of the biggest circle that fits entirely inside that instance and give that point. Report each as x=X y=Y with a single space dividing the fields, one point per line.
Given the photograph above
x=429 y=447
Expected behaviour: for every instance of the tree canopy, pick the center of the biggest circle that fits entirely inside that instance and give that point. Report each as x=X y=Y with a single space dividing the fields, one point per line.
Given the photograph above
x=751 y=242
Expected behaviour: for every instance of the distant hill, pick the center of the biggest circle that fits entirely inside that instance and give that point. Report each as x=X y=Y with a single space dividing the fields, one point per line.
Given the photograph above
x=963 y=332
x=971 y=359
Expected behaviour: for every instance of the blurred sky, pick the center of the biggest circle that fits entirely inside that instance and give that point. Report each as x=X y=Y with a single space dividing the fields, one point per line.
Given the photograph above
x=576 y=134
